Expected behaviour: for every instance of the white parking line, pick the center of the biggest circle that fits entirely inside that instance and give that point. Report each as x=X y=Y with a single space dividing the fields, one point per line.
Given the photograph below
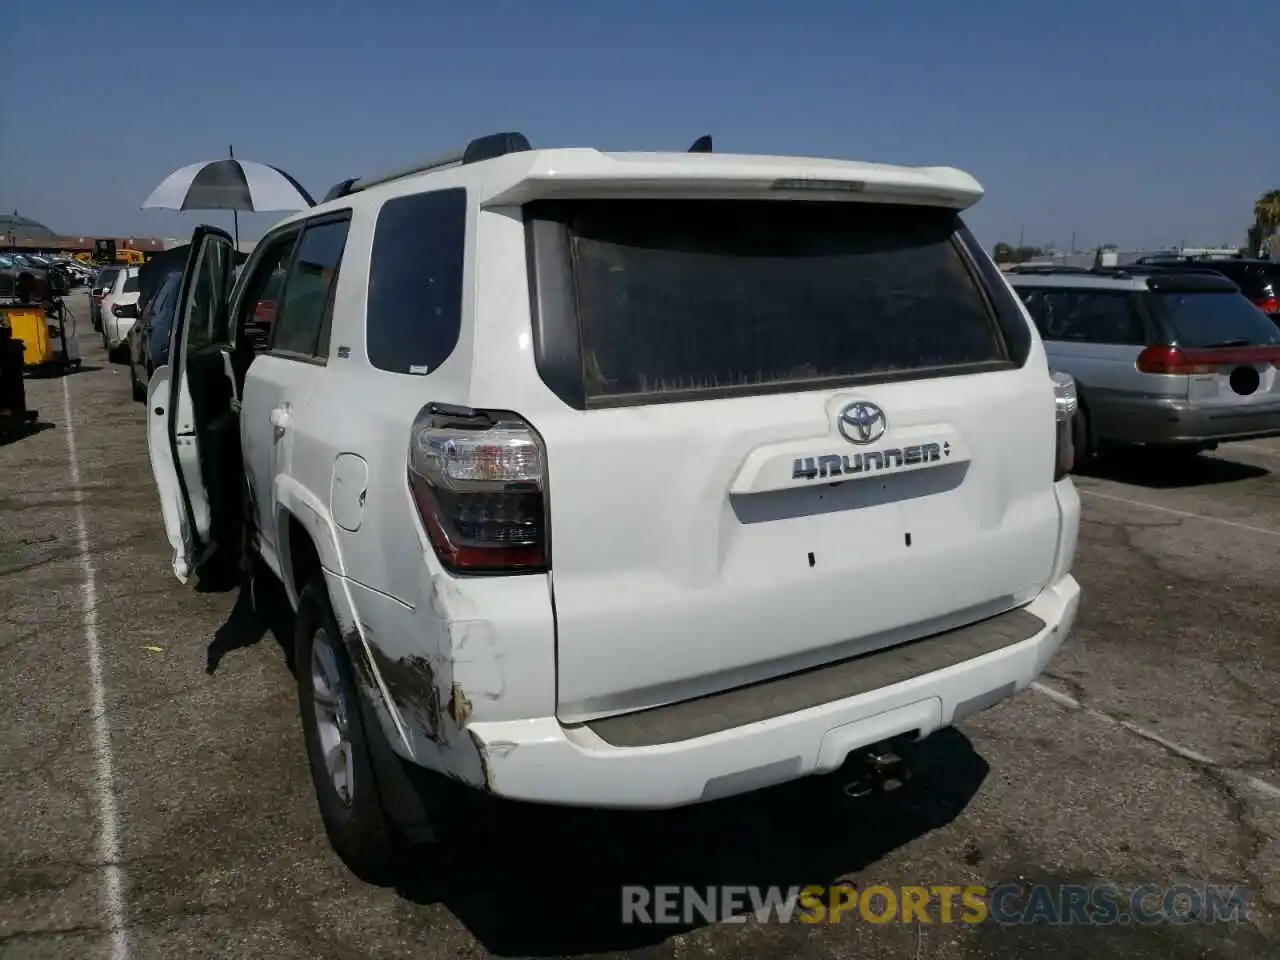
x=1252 y=448
x=1269 y=790
x=113 y=881
x=1185 y=514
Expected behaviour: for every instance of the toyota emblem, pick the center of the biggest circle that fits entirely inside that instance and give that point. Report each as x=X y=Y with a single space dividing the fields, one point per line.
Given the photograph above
x=862 y=422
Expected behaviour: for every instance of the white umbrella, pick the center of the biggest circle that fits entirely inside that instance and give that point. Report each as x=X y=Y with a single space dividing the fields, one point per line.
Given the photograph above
x=229 y=184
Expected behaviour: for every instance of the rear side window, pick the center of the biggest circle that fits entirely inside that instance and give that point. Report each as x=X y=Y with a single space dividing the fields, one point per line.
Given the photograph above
x=132 y=284
x=1089 y=316
x=304 y=313
x=107 y=279
x=681 y=299
x=414 y=313
x=1214 y=319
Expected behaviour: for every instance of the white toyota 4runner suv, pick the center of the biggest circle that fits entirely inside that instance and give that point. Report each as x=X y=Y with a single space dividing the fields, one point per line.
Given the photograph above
x=621 y=479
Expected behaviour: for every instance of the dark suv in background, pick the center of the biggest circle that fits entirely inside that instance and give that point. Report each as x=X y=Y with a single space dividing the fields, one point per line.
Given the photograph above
x=1259 y=280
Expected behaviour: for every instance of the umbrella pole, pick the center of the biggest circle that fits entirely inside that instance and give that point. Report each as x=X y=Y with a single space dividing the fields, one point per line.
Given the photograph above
x=235 y=214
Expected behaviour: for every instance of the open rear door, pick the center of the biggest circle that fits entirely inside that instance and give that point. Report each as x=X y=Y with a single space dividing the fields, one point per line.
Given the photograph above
x=192 y=431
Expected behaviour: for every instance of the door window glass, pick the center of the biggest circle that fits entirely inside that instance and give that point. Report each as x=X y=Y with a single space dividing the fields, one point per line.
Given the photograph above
x=305 y=296
x=206 y=307
x=258 y=301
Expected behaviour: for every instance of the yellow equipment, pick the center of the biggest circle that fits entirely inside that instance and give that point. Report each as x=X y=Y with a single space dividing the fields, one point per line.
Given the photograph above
x=43 y=333
x=29 y=325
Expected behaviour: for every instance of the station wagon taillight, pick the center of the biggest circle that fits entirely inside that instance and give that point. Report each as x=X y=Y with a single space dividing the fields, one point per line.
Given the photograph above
x=1185 y=361
x=478 y=479
x=1268 y=304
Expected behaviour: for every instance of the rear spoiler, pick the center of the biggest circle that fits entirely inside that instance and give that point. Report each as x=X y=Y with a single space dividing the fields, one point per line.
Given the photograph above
x=587 y=172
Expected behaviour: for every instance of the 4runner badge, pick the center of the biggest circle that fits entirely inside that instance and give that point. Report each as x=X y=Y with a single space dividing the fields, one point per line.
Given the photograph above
x=833 y=465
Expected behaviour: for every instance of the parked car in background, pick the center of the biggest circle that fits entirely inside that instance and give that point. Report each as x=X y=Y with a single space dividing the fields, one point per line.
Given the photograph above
x=104 y=281
x=148 y=338
x=22 y=280
x=119 y=309
x=1175 y=359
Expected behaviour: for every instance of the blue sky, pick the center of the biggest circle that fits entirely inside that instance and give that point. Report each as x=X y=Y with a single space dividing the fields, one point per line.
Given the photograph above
x=1133 y=123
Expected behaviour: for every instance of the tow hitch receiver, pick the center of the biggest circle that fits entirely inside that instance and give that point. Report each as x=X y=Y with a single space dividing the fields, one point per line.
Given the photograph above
x=878 y=768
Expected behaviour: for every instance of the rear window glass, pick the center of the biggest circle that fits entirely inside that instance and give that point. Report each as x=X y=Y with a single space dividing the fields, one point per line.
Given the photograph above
x=414 y=312
x=1214 y=319
x=107 y=278
x=132 y=284
x=696 y=295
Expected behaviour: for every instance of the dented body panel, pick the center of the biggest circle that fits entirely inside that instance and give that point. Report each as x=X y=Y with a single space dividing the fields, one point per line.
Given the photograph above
x=444 y=669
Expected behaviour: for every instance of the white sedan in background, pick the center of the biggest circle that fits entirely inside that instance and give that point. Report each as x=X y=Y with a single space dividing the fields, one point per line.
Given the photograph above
x=119 y=309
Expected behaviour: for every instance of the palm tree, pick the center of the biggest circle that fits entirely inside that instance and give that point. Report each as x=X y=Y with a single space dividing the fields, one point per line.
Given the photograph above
x=1266 y=220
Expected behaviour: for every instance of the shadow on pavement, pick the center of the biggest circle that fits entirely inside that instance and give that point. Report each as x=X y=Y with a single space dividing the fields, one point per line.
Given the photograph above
x=12 y=434
x=1164 y=471
x=246 y=626
x=53 y=372
x=538 y=881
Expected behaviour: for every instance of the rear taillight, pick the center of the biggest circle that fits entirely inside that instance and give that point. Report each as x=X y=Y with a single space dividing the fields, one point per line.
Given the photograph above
x=1268 y=304
x=1184 y=361
x=478 y=478
x=1065 y=402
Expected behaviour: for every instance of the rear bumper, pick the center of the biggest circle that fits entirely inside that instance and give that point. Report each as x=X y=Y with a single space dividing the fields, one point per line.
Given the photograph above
x=1175 y=421
x=543 y=761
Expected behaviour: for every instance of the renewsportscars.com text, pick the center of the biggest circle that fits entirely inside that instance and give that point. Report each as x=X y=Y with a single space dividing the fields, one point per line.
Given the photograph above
x=1065 y=904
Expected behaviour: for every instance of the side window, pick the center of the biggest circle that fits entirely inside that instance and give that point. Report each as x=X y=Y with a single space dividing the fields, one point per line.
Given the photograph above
x=414 y=311
x=257 y=307
x=304 y=308
x=1092 y=316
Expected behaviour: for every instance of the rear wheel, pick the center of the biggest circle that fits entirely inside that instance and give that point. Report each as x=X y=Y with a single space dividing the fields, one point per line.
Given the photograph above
x=1081 y=440
x=337 y=743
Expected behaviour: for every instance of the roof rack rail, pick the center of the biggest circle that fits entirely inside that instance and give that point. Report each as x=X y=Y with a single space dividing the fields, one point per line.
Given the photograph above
x=481 y=148
x=1047 y=268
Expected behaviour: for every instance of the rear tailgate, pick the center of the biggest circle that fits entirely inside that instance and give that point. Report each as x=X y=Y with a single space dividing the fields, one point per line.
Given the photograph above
x=1231 y=346
x=801 y=433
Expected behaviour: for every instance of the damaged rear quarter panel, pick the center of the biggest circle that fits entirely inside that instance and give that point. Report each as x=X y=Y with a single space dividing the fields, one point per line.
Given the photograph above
x=473 y=650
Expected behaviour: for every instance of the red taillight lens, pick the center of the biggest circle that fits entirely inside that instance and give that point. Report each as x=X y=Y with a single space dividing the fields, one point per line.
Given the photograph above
x=1183 y=361
x=1170 y=360
x=1269 y=304
x=479 y=481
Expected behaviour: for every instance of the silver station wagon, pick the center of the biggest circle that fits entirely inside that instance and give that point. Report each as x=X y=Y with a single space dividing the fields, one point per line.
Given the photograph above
x=1175 y=360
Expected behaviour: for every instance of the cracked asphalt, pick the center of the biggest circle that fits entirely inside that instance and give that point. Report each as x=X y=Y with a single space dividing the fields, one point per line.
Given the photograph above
x=1153 y=757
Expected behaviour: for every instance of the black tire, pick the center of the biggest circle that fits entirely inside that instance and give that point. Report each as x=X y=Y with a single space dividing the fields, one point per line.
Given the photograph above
x=1081 y=440
x=358 y=826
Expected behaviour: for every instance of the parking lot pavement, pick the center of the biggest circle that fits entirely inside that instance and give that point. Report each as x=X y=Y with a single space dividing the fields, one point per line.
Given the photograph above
x=1149 y=754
